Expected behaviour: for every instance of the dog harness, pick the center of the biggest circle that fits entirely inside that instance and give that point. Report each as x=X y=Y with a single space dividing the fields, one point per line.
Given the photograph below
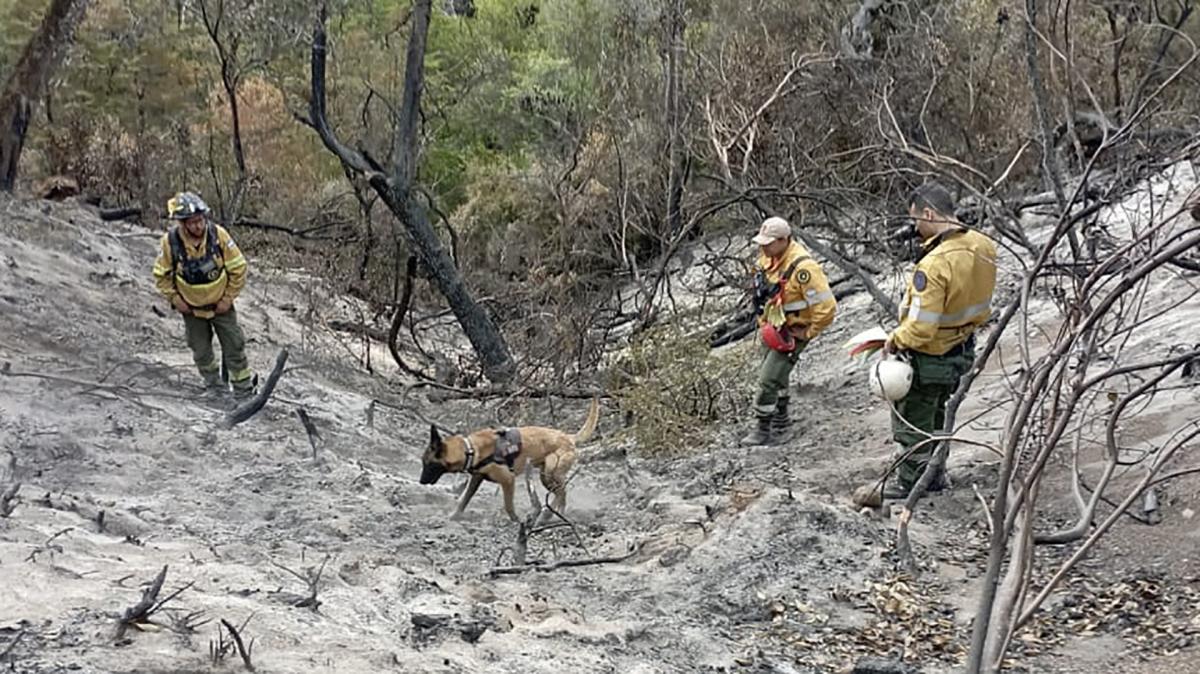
x=507 y=447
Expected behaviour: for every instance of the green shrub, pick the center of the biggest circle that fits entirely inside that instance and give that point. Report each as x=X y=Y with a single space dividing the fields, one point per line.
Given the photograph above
x=676 y=389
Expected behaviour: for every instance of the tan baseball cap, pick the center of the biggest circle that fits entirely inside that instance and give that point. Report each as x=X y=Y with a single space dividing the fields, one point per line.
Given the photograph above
x=771 y=229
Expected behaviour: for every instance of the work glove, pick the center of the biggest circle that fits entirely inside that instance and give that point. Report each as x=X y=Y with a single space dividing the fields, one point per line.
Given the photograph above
x=181 y=306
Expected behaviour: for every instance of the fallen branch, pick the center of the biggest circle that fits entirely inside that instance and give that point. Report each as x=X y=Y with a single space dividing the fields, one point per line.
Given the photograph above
x=506 y=392
x=12 y=645
x=243 y=650
x=139 y=613
x=310 y=428
x=119 y=390
x=8 y=499
x=561 y=564
x=48 y=546
x=189 y=622
x=255 y=404
x=219 y=649
x=308 y=233
x=310 y=577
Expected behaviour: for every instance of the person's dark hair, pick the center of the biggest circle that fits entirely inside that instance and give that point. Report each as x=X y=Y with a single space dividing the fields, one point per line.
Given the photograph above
x=935 y=196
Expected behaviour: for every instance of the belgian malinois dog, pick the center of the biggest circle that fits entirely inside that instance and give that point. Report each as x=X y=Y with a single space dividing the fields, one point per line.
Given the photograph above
x=501 y=455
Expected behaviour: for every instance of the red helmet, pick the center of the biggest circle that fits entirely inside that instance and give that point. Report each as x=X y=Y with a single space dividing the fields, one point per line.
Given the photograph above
x=779 y=339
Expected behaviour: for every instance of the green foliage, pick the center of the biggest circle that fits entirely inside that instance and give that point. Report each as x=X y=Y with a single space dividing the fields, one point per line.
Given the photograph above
x=544 y=139
x=18 y=20
x=500 y=88
x=676 y=388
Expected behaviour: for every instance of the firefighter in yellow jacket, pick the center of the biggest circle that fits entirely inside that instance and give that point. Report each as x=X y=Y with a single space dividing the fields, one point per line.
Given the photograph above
x=949 y=296
x=201 y=271
x=794 y=305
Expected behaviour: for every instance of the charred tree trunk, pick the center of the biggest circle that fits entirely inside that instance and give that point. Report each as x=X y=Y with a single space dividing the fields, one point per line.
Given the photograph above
x=396 y=188
x=39 y=60
x=674 y=84
x=1041 y=111
x=230 y=80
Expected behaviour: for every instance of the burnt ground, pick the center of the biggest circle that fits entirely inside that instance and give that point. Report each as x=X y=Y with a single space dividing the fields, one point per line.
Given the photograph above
x=739 y=560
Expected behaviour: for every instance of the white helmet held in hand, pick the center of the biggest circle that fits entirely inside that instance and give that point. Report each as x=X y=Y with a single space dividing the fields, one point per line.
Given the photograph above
x=891 y=378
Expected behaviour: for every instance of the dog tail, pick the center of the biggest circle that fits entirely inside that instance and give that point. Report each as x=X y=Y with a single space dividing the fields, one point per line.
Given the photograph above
x=589 y=426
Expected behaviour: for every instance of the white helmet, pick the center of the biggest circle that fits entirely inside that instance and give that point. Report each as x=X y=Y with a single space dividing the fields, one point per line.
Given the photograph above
x=890 y=379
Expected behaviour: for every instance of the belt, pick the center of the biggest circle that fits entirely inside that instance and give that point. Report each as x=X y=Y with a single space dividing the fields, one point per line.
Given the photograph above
x=968 y=344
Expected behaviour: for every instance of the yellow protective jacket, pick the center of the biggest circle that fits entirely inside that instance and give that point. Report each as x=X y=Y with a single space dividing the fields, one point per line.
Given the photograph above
x=806 y=297
x=949 y=294
x=211 y=268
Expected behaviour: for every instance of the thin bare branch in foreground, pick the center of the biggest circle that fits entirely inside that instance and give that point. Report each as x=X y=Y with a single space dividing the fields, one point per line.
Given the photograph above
x=312 y=578
x=561 y=564
x=139 y=613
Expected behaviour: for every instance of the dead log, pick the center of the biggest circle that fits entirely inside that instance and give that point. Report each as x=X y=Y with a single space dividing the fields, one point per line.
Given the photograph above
x=731 y=331
x=256 y=403
x=110 y=214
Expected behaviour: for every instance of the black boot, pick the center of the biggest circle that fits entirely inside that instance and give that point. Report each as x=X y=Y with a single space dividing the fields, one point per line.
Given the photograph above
x=213 y=386
x=939 y=482
x=894 y=490
x=761 y=435
x=781 y=425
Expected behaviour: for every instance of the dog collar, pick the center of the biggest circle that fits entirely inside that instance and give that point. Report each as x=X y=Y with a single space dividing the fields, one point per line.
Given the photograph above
x=469 y=461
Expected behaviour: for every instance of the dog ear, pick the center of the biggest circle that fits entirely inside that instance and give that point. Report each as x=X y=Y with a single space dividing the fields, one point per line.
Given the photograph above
x=435 y=441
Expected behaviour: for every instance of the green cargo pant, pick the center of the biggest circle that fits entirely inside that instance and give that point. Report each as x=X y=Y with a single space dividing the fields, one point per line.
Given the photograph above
x=935 y=378
x=774 y=372
x=233 y=347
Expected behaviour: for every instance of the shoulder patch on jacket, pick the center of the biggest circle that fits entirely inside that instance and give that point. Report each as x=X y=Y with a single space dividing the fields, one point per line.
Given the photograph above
x=803 y=276
x=919 y=281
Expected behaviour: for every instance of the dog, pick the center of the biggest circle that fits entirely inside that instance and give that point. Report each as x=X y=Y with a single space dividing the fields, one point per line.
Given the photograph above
x=501 y=455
